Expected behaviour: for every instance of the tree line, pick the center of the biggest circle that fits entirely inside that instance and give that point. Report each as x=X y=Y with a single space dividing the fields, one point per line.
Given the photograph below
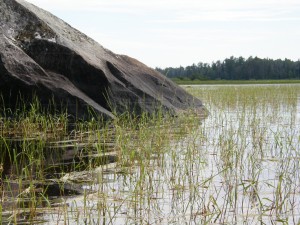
x=237 y=69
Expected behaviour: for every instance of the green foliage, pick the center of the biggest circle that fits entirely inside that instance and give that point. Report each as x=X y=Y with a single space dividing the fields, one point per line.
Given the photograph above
x=237 y=69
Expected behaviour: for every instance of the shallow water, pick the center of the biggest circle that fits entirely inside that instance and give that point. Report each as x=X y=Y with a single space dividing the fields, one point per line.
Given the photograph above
x=239 y=166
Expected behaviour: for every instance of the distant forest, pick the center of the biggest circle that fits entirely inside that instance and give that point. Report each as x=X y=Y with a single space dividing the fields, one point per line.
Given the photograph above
x=237 y=69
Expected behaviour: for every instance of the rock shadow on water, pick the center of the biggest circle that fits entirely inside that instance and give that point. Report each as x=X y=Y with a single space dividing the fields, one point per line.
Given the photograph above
x=35 y=174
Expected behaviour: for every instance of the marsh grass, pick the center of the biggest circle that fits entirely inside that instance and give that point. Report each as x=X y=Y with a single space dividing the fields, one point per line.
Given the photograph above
x=233 y=82
x=238 y=166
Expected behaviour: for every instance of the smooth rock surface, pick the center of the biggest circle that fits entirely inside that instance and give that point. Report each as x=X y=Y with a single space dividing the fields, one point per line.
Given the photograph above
x=42 y=55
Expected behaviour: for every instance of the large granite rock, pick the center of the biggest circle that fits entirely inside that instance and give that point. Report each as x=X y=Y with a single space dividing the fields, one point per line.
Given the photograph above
x=42 y=55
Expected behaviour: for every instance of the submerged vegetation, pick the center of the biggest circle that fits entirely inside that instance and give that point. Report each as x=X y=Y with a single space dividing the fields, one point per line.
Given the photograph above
x=239 y=165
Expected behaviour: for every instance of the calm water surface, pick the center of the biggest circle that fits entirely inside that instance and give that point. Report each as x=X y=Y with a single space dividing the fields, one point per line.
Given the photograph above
x=238 y=166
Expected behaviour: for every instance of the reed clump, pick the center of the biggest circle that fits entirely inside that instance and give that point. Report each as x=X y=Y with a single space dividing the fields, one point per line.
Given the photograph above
x=238 y=166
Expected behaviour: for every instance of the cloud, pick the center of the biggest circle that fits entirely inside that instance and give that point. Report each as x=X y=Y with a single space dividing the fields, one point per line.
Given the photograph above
x=178 y=11
x=187 y=31
x=147 y=5
x=238 y=16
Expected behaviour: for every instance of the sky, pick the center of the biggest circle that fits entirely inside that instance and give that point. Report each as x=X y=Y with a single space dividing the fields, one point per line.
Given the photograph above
x=165 y=33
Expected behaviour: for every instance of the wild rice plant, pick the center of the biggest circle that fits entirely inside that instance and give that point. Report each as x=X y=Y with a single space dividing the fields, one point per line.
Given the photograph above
x=238 y=166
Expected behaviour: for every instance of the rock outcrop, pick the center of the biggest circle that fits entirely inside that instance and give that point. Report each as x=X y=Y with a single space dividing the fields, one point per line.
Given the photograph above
x=42 y=55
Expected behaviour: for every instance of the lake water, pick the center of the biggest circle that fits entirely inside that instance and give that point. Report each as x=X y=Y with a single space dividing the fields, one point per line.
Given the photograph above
x=238 y=166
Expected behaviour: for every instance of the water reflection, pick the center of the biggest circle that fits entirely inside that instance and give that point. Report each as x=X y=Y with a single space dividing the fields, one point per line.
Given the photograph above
x=241 y=165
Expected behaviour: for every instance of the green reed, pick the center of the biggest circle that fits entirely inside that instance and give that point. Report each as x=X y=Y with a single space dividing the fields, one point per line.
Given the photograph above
x=239 y=165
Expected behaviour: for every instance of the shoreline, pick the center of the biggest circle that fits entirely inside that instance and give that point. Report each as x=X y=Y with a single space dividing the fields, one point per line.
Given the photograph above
x=222 y=82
